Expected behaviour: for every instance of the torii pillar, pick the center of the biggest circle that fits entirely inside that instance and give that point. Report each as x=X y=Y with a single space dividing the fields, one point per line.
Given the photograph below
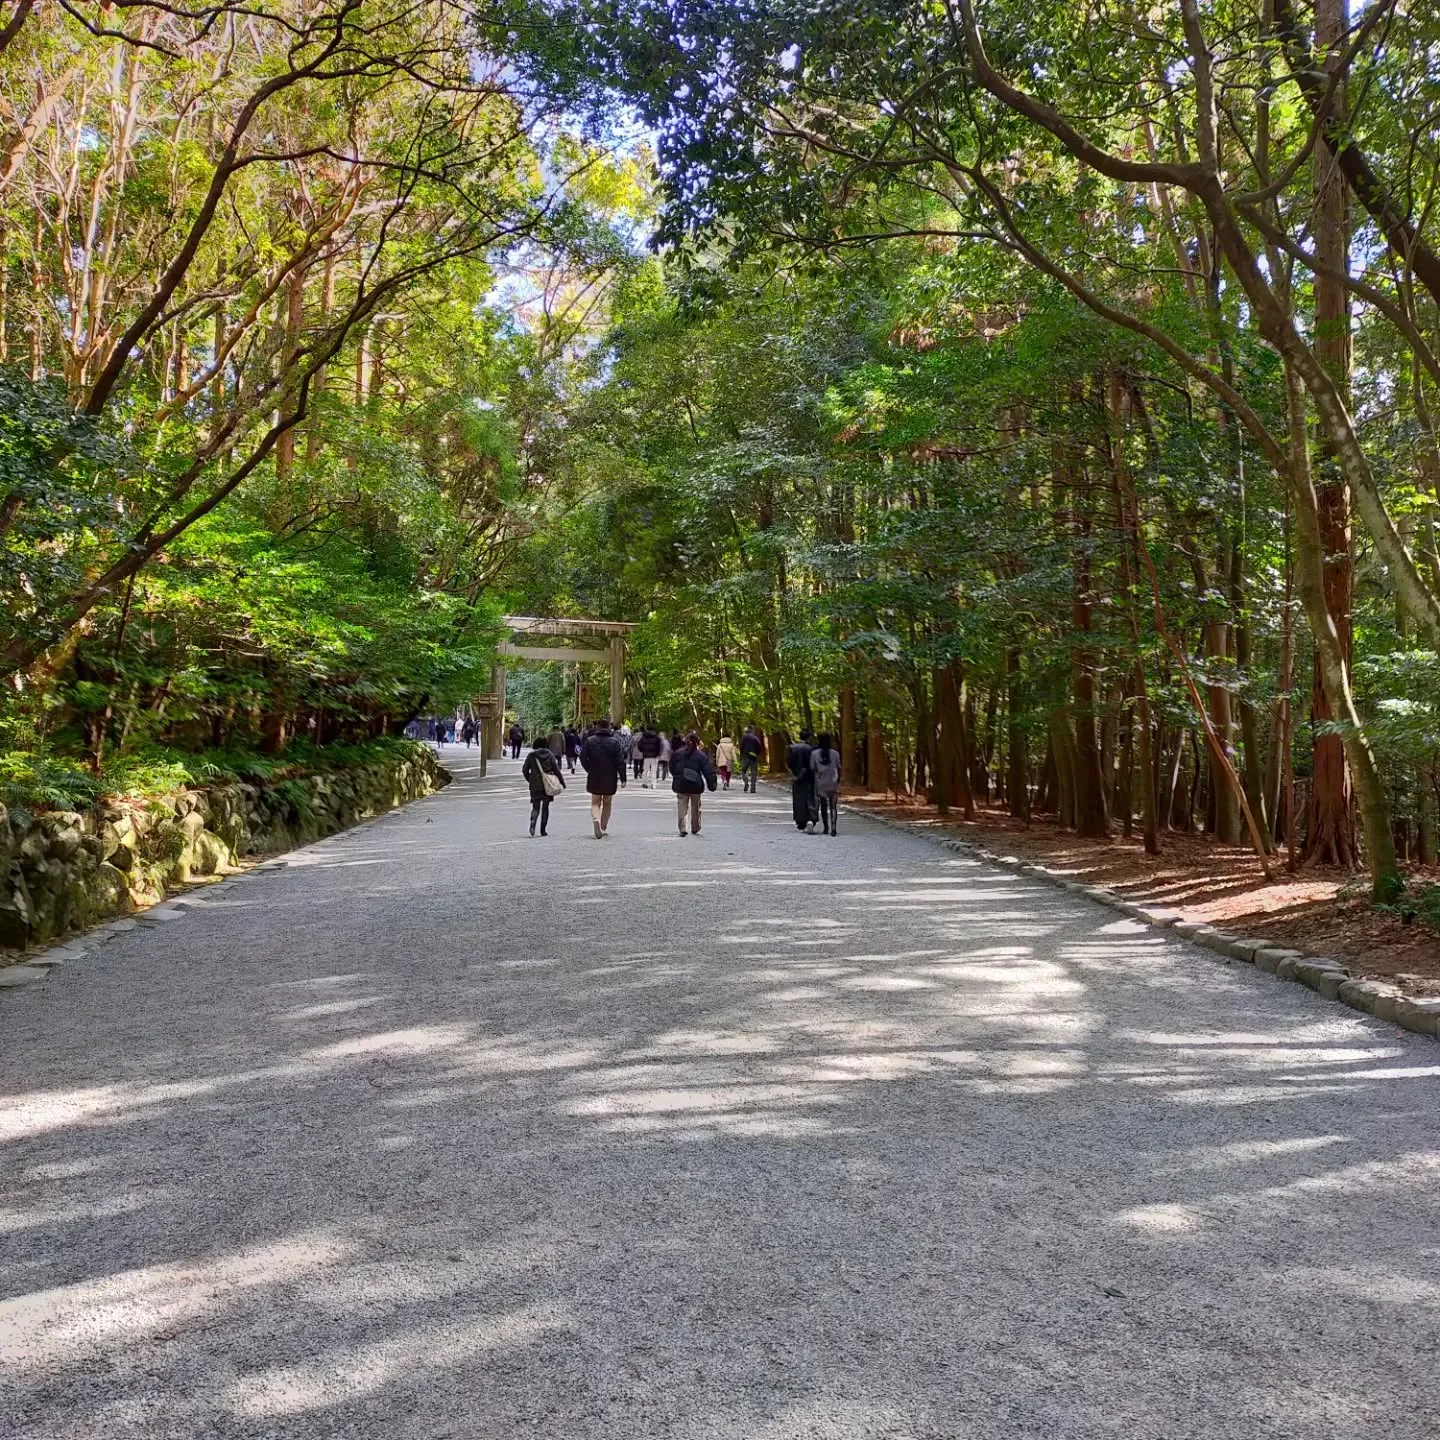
x=495 y=729
x=617 y=680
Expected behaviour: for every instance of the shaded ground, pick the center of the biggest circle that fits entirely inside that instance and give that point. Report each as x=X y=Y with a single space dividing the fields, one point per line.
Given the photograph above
x=1320 y=909
x=442 y=1132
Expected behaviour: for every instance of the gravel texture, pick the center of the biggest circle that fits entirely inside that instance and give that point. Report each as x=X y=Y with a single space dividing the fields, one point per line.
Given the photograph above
x=432 y=1130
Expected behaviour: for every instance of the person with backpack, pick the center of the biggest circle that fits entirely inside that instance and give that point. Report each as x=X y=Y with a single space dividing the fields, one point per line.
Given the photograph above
x=542 y=770
x=825 y=764
x=751 y=748
x=517 y=739
x=693 y=774
x=604 y=762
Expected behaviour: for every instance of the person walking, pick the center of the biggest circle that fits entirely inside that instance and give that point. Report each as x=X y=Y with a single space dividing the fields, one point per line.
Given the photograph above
x=693 y=774
x=572 y=747
x=604 y=762
x=825 y=763
x=802 y=783
x=725 y=756
x=556 y=743
x=649 y=746
x=751 y=747
x=517 y=739
x=665 y=751
x=542 y=770
x=469 y=731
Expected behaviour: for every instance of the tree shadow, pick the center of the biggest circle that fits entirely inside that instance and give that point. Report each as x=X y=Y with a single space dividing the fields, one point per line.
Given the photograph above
x=793 y=1146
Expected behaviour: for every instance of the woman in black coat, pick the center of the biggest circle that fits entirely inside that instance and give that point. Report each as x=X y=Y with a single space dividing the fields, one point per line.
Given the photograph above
x=803 y=807
x=539 y=763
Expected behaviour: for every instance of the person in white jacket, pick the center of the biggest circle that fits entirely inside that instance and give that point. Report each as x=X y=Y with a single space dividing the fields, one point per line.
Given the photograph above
x=725 y=760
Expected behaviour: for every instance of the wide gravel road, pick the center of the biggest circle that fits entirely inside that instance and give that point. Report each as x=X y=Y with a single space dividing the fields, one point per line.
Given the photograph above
x=438 y=1131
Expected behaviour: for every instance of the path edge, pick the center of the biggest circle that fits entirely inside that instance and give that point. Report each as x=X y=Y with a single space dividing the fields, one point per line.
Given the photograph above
x=1329 y=978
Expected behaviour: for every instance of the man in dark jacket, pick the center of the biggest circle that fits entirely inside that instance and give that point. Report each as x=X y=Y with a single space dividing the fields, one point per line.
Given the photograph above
x=517 y=739
x=751 y=748
x=649 y=744
x=694 y=773
x=572 y=747
x=604 y=760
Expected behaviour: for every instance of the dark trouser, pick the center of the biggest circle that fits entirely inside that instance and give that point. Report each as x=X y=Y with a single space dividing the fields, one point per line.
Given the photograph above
x=749 y=771
x=639 y=765
x=802 y=800
x=540 y=810
x=829 y=812
x=571 y=759
x=514 y=749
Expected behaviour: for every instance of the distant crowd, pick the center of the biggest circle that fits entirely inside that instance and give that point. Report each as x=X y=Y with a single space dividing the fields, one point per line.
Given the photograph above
x=446 y=730
x=611 y=758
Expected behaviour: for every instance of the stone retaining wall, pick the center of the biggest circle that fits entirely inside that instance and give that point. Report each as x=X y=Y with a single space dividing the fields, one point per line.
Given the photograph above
x=63 y=871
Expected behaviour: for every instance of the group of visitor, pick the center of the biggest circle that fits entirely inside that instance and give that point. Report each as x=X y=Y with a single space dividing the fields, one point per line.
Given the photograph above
x=443 y=730
x=814 y=765
x=611 y=757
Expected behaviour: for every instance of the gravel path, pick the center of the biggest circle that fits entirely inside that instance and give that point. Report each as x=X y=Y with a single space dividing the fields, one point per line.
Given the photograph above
x=437 y=1131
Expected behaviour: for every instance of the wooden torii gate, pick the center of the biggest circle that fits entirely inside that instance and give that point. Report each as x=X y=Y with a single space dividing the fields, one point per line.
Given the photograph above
x=599 y=642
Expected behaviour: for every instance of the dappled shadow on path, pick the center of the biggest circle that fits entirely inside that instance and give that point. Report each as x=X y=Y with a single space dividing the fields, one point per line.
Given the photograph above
x=781 y=1145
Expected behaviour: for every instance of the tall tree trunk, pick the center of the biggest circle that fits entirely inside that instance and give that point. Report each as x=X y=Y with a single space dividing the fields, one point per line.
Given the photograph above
x=1127 y=526
x=953 y=741
x=1223 y=797
x=851 y=754
x=1090 y=817
x=1385 y=879
x=1062 y=750
x=877 y=762
x=1017 y=780
x=1331 y=837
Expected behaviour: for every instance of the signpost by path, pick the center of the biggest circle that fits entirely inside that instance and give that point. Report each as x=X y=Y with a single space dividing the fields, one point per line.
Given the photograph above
x=489 y=710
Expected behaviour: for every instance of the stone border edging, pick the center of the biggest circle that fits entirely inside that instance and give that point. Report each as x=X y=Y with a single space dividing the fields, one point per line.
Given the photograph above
x=1328 y=978
x=39 y=965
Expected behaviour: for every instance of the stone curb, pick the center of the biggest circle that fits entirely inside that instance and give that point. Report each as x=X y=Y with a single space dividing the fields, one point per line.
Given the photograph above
x=38 y=964
x=1326 y=977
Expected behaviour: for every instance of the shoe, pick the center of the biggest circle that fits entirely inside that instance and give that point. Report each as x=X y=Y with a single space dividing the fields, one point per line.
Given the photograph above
x=697 y=829
x=682 y=834
x=599 y=833
x=532 y=829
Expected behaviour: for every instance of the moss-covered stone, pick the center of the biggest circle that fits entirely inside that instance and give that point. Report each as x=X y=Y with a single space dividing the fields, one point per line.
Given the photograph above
x=62 y=871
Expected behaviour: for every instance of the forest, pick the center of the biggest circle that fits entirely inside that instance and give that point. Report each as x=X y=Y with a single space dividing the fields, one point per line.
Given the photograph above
x=1041 y=397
